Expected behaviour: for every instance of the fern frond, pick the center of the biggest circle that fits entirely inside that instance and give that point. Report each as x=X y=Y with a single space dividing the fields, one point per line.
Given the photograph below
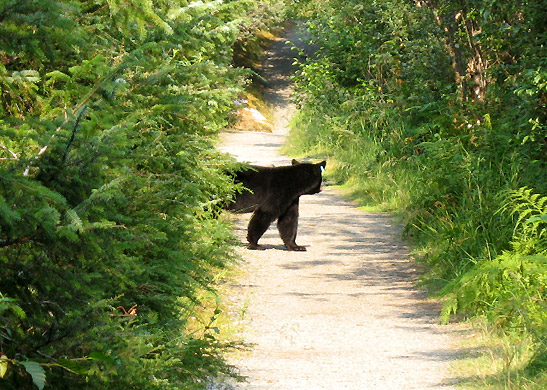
x=530 y=231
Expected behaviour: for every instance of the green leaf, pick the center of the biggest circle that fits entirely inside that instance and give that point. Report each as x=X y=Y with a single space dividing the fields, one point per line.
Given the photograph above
x=3 y=365
x=36 y=372
x=538 y=218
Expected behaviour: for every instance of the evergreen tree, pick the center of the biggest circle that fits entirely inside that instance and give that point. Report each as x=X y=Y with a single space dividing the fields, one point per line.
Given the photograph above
x=110 y=188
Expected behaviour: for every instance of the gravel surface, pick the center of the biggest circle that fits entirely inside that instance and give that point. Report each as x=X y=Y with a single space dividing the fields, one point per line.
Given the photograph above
x=346 y=314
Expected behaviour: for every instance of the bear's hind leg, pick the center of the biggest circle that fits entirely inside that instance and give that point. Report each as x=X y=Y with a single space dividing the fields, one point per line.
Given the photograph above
x=259 y=223
x=287 y=224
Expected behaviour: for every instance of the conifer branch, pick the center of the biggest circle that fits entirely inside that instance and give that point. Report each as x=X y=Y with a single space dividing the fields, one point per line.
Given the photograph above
x=13 y=241
x=78 y=108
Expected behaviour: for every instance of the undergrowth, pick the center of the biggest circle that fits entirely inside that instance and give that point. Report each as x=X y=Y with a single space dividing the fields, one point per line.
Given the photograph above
x=438 y=112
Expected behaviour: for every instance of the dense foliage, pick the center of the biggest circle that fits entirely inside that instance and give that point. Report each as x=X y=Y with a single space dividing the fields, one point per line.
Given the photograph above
x=439 y=108
x=110 y=187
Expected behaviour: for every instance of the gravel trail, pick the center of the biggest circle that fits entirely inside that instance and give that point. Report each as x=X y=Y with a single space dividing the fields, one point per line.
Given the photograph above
x=345 y=314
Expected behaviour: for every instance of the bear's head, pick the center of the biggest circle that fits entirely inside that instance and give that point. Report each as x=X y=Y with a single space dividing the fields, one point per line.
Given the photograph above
x=311 y=176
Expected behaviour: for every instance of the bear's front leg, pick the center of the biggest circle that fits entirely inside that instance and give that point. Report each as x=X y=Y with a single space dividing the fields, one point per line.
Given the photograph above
x=259 y=223
x=287 y=224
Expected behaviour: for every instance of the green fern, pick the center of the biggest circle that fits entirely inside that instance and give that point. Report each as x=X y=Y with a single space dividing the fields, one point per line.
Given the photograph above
x=530 y=232
x=510 y=290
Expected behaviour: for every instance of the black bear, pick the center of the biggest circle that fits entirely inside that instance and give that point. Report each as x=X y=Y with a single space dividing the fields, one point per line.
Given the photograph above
x=272 y=193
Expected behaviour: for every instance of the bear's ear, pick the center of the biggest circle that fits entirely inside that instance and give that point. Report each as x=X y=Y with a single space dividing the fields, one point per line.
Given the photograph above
x=294 y=162
x=322 y=166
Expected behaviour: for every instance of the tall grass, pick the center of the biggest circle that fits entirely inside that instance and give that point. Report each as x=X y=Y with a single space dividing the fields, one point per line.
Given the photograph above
x=481 y=237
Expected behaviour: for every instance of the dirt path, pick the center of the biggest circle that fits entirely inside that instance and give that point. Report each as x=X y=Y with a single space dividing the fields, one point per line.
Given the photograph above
x=345 y=314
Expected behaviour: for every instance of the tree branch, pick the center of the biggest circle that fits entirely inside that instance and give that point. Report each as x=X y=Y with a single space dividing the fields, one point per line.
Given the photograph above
x=14 y=155
x=77 y=109
x=21 y=240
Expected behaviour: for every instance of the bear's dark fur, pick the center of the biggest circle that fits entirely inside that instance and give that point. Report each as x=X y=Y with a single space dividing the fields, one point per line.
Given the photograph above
x=274 y=194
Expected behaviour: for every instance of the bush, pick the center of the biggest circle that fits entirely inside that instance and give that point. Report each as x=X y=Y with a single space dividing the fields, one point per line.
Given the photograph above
x=110 y=189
